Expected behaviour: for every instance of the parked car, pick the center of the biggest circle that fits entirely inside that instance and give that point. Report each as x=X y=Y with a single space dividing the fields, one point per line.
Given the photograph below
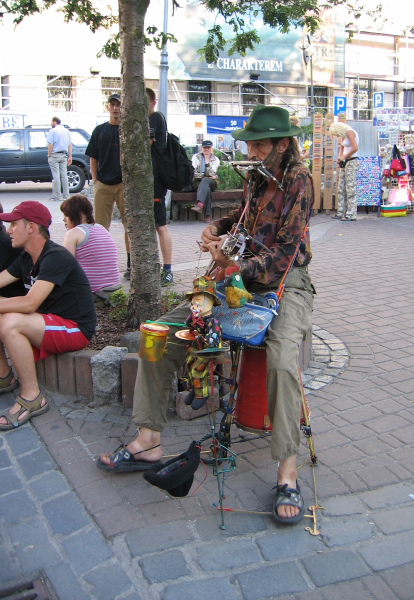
x=23 y=156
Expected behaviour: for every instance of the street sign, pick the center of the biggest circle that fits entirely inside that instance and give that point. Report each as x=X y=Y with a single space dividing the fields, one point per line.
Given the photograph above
x=339 y=105
x=378 y=99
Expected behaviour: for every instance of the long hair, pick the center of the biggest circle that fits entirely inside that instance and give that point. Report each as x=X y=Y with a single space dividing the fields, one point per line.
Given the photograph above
x=77 y=206
x=289 y=159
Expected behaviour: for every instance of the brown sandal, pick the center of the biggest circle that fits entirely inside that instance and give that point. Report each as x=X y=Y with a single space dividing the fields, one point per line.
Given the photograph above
x=34 y=408
x=6 y=384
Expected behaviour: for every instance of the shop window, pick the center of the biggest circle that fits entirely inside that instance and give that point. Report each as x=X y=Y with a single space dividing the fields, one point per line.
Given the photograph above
x=199 y=97
x=5 y=92
x=109 y=86
x=60 y=92
x=252 y=94
x=320 y=98
x=363 y=90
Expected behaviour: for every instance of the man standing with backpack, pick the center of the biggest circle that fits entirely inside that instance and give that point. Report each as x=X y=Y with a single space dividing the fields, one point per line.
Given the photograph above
x=158 y=141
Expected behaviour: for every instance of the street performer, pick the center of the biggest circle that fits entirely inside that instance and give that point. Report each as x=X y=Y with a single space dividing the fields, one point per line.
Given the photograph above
x=275 y=213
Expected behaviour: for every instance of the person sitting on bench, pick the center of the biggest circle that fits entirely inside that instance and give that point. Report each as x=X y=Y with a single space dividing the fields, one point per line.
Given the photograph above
x=56 y=315
x=205 y=165
x=92 y=245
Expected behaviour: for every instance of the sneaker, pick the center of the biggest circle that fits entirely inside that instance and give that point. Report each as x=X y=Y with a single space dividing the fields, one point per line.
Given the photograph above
x=127 y=274
x=167 y=278
x=207 y=220
x=198 y=207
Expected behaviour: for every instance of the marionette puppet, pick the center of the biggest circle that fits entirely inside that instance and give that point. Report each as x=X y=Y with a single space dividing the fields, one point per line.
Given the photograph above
x=207 y=342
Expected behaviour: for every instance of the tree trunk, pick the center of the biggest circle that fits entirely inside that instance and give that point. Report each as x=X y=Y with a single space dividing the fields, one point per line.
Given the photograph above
x=145 y=291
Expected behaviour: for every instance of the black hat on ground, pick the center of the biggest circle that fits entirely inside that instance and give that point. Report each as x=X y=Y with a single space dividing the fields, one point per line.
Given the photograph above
x=176 y=475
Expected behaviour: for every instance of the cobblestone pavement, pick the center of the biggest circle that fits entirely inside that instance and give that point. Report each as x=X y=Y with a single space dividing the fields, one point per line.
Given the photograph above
x=98 y=536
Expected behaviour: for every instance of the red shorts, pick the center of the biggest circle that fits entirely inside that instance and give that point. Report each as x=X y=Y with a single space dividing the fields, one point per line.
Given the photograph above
x=61 y=335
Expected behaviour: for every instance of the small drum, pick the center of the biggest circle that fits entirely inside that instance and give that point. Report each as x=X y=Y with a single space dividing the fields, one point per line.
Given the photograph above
x=153 y=341
x=251 y=412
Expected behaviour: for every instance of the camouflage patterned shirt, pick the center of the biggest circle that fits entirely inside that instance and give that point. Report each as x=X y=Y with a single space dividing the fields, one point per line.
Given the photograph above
x=276 y=218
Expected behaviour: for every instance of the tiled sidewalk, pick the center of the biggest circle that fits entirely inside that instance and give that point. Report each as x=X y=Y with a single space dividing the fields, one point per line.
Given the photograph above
x=105 y=536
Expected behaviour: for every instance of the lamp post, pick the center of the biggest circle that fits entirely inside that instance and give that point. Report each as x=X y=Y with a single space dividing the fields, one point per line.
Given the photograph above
x=163 y=87
x=308 y=60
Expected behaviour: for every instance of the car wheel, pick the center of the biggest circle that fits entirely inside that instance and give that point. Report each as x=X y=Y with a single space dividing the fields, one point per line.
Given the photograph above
x=76 y=179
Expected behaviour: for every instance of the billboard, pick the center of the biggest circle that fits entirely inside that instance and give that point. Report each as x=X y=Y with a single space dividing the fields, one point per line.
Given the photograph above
x=278 y=58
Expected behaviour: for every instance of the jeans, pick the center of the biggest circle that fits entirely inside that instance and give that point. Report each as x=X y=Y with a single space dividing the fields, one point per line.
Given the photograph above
x=58 y=163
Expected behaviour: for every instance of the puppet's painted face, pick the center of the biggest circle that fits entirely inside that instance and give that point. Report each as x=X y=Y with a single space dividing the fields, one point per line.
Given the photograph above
x=201 y=304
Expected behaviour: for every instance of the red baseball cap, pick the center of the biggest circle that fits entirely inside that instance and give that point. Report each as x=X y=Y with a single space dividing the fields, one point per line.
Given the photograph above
x=30 y=210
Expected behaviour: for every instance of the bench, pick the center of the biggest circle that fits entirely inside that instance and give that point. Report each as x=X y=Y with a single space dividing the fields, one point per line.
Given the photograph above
x=222 y=202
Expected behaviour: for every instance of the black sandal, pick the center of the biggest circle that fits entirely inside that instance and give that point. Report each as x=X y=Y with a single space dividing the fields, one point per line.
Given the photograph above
x=123 y=461
x=289 y=497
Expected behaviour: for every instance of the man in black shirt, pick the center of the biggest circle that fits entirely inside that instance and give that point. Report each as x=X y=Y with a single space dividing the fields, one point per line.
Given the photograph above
x=104 y=150
x=158 y=137
x=56 y=315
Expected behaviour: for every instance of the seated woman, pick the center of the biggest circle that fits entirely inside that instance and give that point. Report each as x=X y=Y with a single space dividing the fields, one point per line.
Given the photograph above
x=92 y=245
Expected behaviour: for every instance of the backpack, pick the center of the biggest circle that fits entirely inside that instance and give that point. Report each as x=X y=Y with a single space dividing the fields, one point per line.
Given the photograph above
x=174 y=168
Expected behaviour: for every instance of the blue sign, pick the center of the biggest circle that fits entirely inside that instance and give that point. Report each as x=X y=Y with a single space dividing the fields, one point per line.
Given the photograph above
x=339 y=105
x=219 y=124
x=379 y=99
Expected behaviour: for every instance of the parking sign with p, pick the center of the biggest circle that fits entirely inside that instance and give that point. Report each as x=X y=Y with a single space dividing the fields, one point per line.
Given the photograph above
x=339 y=105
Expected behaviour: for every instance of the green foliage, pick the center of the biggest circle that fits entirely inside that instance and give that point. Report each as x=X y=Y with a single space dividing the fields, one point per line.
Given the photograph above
x=228 y=179
x=119 y=302
x=170 y=300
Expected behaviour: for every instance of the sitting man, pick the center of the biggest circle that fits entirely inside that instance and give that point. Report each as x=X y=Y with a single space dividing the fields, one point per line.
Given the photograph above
x=276 y=216
x=7 y=255
x=205 y=166
x=56 y=315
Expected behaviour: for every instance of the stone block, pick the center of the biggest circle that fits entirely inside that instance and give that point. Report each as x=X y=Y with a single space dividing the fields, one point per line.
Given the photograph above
x=66 y=373
x=51 y=373
x=170 y=565
x=129 y=368
x=84 y=387
x=106 y=375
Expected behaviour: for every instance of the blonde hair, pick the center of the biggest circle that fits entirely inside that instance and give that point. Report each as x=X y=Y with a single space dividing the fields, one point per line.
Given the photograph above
x=295 y=121
x=339 y=129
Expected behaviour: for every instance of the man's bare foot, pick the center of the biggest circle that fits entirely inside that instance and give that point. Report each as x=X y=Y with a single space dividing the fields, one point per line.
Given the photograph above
x=144 y=447
x=287 y=475
x=16 y=407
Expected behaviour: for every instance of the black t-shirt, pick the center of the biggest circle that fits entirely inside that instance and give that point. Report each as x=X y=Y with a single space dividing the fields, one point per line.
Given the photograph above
x=7 y=255
x=158 y=130
x=104 y=147
x=71 y=298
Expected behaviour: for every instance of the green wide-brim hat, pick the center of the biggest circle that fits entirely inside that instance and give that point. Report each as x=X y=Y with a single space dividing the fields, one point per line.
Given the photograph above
x=267 y=122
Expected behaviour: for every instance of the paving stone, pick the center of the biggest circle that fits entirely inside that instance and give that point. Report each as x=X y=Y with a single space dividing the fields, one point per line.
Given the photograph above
x=67 y=451
x=333 y=567
x=16 y=506
x=108 y=581
x=391 y=495
x=233 y=554
x=342 y=506
x=23 y=439
x=65 y=514
x=389 y=553
x=377 y=587
x=161 y=538
x=48 y=485
x=4 y=459
x=118 y=519
x=206 y=589
x=296 y=542
x=340 y=532
x=269 y=582
x=395 y=519
x=31 y=545
x=86 y=550
x=55 y=431
x=235 y=523
x=164 y=567
x=65 y=583
x=99 y=495
x=161 y=512
x=9 y=481
x=37 y=462
x=401 y=582
x=9 y=567
x=351 y=590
